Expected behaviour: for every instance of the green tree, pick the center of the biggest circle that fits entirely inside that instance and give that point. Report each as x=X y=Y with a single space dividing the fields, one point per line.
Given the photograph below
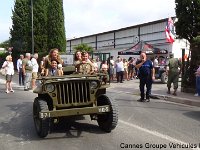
x=20 y=28
x=188 y=14
x=40 y=8
x=188 y=27
x=83 y=47
x=56 y=28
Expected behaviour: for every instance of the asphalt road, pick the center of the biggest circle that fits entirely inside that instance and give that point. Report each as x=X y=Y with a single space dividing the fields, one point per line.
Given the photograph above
x=141 y=125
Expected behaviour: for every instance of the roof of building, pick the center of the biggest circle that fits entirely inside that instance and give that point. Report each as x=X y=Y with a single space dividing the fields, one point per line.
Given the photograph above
x=134 y=26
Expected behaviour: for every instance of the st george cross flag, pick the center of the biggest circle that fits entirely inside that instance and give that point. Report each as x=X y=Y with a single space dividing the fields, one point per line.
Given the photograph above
x=169 y=30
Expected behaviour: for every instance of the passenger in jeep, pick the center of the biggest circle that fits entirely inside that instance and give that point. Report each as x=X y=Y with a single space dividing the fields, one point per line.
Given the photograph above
x=53 y=55
x=77 y=57
x=53 y=70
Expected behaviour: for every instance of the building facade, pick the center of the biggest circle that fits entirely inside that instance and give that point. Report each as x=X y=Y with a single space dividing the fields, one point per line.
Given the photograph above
x=118 y=40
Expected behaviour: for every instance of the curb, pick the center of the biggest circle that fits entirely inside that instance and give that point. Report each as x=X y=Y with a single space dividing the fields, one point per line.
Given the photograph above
x=168 y=98
x=180 y=100
x=184 y=101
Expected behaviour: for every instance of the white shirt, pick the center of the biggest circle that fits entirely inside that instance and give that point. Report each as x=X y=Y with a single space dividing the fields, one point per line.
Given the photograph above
x=155 y=62
x=35 y=65
x=98 y=64
x=119 y=66
x=9 y=67
x=112 y=62
x=19 y=64
x=95 y=66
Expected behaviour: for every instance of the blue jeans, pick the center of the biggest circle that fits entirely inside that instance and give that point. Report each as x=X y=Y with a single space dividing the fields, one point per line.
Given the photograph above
x=120 y=76
x=198 y=85
x=148 y=82
x=21 y=77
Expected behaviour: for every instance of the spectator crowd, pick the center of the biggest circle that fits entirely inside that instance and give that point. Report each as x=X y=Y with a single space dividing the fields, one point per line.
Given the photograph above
x=116 y=69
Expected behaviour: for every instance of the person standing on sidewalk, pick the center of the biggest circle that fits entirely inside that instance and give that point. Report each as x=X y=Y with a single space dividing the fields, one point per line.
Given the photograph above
x=130 y=68
x=119 y=65
x=197 y=73
x=27 y=71
x=173 y=71
x=111 y=63
x=42 y=69
x=125 y=62
x=9 y=67
x=19 y=69
x=146 y=75
x=35 y=69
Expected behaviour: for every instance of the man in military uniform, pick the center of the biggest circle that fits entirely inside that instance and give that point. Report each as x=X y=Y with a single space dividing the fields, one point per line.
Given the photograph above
x=173 y=71
x=85 y=66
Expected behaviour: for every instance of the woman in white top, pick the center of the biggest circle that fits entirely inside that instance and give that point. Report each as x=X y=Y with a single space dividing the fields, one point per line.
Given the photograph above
x=9 y=67
x=125 y=62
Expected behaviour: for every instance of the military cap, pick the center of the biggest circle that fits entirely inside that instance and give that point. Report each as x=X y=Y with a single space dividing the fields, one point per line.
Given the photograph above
x=84 y=52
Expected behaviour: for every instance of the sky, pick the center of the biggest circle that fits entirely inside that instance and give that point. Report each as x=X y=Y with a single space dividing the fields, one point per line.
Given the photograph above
x=87 y=17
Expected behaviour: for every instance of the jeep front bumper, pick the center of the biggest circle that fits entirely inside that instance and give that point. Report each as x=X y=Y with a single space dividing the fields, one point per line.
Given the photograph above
x=74 y=111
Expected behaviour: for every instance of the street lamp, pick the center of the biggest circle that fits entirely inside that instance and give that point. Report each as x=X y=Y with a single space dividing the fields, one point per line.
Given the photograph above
x=32 y=35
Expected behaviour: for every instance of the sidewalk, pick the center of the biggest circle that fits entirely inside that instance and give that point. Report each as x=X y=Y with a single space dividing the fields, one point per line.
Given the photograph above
x=159 y=91
x=132 y=87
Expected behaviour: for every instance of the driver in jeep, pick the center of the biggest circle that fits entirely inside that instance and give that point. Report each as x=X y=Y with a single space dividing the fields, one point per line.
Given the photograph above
x=85 y=66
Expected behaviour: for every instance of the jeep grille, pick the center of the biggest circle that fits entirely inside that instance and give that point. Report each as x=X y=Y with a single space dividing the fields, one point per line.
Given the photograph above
x=73 y=93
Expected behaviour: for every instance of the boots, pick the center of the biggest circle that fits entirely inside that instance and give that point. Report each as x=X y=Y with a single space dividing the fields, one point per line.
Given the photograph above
x=174 y=92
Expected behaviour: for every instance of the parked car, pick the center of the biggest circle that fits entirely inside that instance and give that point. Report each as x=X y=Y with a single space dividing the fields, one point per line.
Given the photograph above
x=160 y=73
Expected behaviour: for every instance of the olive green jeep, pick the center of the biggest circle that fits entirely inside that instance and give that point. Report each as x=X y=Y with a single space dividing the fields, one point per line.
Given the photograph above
x=73 y=95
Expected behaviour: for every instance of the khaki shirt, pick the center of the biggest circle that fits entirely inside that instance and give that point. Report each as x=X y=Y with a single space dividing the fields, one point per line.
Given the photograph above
x=174 y=65
x=27 y=64
x=85 y=68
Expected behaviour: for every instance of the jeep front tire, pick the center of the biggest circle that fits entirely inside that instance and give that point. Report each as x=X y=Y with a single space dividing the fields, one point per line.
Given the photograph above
x=107 y=121
x=41 y=124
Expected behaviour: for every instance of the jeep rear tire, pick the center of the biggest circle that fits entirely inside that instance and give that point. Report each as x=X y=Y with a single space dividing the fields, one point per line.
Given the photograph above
x=41 y=124
x=164 y=77
x=107 y=121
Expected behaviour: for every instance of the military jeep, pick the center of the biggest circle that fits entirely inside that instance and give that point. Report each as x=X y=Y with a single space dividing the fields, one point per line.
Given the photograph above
x=73 y=95
x=160 y=73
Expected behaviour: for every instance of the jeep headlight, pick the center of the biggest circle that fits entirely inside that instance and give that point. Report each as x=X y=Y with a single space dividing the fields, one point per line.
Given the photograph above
x=49 y=87
x=38 y=82
x=93 y=85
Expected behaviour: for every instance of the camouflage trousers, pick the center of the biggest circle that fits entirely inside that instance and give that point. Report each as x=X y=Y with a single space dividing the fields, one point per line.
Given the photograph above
x=173 y=78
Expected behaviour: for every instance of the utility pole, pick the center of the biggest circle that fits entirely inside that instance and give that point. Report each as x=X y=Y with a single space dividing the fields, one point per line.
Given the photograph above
x=32 y=26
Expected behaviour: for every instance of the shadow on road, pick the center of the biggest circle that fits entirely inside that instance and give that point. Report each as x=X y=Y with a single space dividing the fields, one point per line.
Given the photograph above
x=21 y=125
x=193 y=114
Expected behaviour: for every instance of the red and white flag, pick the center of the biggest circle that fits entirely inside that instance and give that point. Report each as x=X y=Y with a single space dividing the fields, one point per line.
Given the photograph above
x=169 y=30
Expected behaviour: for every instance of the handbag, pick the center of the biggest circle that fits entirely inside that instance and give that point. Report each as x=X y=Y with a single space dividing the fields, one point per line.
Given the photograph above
x=3 y=71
